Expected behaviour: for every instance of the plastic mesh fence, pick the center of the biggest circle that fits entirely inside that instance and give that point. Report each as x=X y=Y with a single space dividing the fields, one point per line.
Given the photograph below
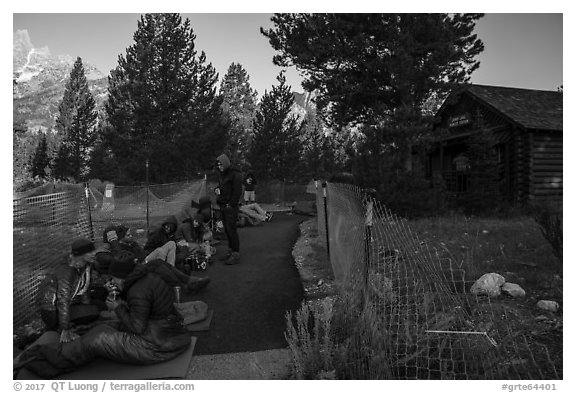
x=44 y=227
x=142 y=206
x=403 y=312
x=320 y=212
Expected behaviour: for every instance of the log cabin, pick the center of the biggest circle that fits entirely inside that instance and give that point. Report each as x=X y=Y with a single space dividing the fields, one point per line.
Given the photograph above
x=525 y=127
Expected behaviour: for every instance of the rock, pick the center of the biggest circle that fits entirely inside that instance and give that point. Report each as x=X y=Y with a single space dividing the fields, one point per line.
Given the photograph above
x=541 y=318
x=489 y=284
x=513 y=290
x=548 y=305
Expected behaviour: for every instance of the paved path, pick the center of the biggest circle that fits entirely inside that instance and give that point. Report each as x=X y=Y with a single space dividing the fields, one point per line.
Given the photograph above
x=250 y=299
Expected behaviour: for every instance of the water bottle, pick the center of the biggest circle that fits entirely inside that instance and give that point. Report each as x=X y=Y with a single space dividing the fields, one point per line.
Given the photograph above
x=177 y=294
x=207 y=249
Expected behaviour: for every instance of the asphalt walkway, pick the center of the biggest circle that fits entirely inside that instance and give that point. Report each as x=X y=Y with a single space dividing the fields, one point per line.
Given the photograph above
x=250 y=299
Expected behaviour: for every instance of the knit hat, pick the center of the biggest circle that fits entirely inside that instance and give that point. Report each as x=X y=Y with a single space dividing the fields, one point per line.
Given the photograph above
x=82 y=246
x=122 y=265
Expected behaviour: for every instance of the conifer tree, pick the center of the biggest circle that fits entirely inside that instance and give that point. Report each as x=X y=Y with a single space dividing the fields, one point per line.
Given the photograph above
x=378 y=70
x=75 y=124
x=365 y=66
x=40 y=160
x=239 y=103
x=162 y=104
x=275 y=152
x=322 y=152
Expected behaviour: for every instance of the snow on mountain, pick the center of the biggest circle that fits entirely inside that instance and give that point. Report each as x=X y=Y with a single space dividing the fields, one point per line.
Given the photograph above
x=39 y=79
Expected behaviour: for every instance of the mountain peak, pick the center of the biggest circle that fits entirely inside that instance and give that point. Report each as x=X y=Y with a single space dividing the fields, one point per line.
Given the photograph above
x=39 y=80
x=29 y=62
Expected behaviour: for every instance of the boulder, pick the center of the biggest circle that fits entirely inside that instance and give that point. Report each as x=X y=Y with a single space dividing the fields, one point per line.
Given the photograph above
x=489 y=284
x=513 y=290
x=548 y=305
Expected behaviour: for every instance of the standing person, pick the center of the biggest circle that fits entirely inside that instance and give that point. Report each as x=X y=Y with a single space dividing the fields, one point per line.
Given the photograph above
x=149 y=331
x=228 y=193
x=249 y=188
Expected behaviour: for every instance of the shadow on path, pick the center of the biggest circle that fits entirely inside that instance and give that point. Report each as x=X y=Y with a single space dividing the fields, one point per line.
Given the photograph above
x=250 y=299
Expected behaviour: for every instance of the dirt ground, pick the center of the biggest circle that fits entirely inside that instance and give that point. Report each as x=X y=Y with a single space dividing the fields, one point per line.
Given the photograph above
x=312 y=262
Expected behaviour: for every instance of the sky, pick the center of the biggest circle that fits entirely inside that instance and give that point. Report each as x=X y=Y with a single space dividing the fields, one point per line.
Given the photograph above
x=521 y=50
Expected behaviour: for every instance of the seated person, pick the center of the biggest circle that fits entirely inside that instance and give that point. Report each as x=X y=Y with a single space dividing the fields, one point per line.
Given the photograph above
x=115 y=239
x=122 y=244
x=203 y=206
x=161 y=242
x=64 y=291
x=194 y=232
x=149 y=330
x=255 y=211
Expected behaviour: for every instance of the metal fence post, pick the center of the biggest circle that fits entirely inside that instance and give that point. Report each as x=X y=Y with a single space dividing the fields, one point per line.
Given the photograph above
x=87 y=193
x=368 y=223
x=147 y=200
x=324 y=194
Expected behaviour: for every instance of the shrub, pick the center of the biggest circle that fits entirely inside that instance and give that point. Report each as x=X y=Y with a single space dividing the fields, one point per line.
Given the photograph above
x=550 y=222
x=412 y=196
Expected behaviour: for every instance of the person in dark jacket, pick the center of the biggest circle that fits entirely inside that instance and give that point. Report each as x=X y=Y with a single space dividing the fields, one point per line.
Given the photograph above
x=149 y=330
x=249 y=188
x=192 y=231
x=228 y=193
x=161 y=243
x=67 y=289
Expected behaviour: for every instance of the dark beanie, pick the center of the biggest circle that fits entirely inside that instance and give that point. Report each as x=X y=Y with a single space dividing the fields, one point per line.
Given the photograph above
x=82 y=246
x=122 y=265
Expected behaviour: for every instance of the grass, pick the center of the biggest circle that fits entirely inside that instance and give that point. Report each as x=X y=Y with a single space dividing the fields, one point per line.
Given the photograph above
x=530 y=340
x=481 y=245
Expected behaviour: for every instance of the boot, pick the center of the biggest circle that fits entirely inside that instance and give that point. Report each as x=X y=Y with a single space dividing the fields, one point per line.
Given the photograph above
x=233 y=259
x=195 y=285
x=224 y=258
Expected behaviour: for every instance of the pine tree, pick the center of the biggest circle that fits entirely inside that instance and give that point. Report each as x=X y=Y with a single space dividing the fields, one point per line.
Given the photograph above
x=365 y=66
x=322 y=152
x=103 y=165
x=40 y=160
x=162 y=104
x=275 y=152
x=75 y=124
x=239 y=103
x=378 y=70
